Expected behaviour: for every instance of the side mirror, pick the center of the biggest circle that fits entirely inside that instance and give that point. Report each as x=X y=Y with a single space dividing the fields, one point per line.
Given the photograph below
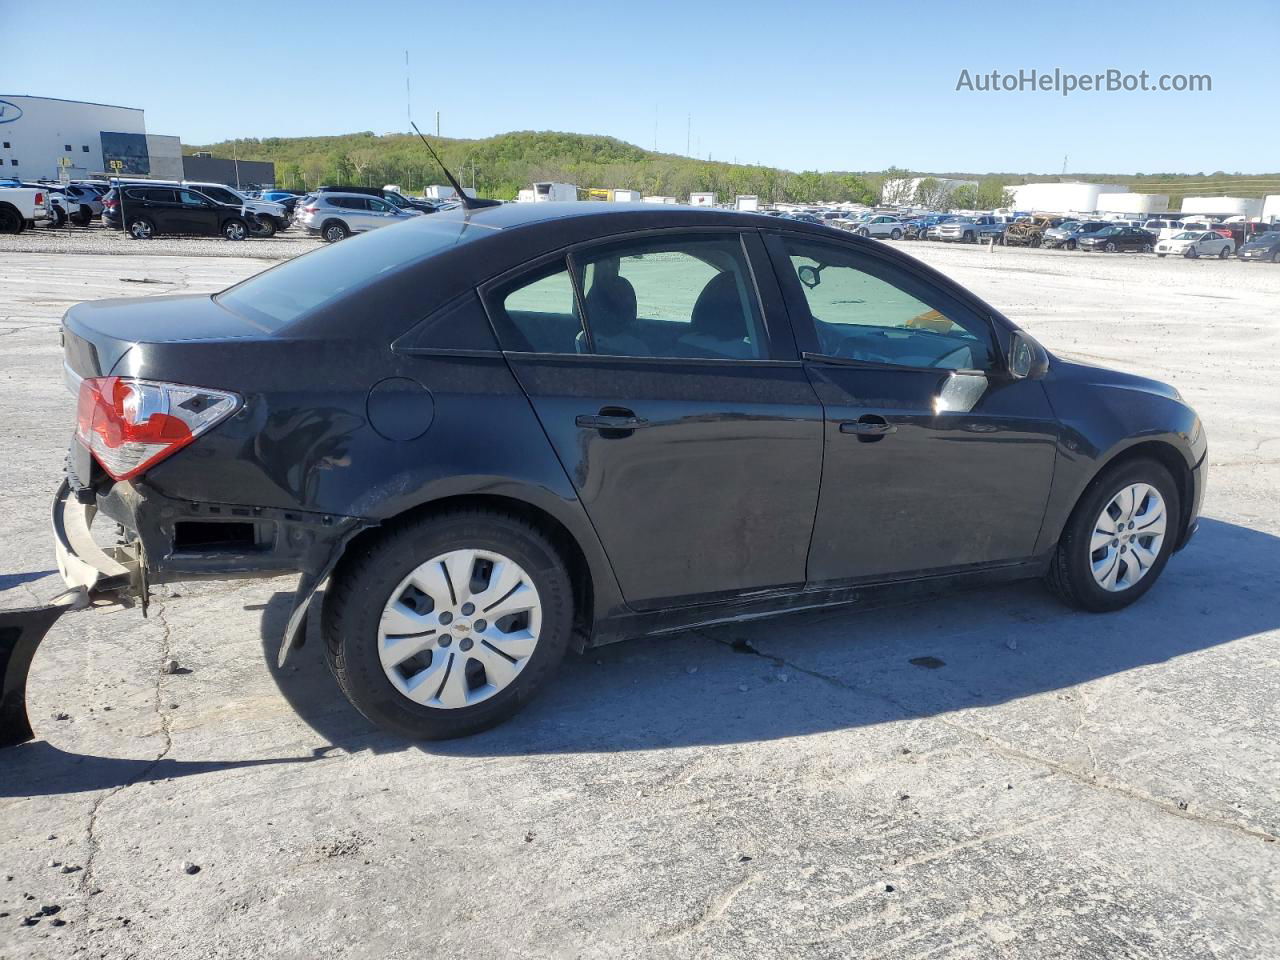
x=1027 y=359
x=809 y=276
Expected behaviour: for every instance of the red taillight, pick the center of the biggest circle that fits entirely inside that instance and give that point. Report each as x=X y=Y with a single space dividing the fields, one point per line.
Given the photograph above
x=130 y=425
x=109 y=204
x=310 y=209
x=39 y=198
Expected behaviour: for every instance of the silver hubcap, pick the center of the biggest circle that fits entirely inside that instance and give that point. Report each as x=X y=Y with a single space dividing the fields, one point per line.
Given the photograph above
x=142 y=230
x=1127 y=537
x=334 y=233
x=459 y=628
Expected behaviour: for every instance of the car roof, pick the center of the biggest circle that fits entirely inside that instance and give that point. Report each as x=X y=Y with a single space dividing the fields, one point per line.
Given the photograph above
x=510 y=216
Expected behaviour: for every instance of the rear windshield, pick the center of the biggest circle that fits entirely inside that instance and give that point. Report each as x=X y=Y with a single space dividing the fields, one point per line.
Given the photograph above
x=283 y=294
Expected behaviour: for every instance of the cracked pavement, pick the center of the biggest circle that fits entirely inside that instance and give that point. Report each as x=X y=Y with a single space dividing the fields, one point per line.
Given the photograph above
x=1050 y=785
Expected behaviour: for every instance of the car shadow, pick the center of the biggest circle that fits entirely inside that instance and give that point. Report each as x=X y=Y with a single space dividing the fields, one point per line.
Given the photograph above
x=816 y=672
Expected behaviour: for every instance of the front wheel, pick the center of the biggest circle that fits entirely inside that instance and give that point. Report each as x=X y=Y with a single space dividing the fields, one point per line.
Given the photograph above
x=449 y=625
x=1161 y=255
x=1110 y=247
x=262 y=227
x=1192 y=253
x=864 y=232
x=1119 y=537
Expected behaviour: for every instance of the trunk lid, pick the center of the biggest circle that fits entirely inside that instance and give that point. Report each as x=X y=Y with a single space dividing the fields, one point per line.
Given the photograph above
x=97 y=334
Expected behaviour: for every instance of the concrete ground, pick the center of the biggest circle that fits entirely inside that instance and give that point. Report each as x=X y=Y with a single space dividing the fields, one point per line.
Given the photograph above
x=1056 y=785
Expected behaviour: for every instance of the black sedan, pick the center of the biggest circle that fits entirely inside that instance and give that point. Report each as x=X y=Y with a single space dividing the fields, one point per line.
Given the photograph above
x=1265 y=246
x=500 y=434
x=1114 y=238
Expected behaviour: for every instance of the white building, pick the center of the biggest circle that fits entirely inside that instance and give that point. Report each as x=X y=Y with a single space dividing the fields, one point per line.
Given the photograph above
x=658 y=199
x=41 y=136
x=1249 y=207
x=899 y=192
x=1271 y=207
x=1137 y=203
x=1063 y=197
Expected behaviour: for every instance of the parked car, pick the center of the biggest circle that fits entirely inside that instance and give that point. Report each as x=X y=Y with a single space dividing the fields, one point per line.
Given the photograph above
x=393 y=197
x=150 y=211
x=914 y=229
x=504 y=433
x=1067 y=234
x=971 y=229
x=267 y=217
x=87 y=204
x=1264 y=246
x=1115 y=238
x=1193 y=244
x=336 y=216
x=881 y=225
x=1164 y=229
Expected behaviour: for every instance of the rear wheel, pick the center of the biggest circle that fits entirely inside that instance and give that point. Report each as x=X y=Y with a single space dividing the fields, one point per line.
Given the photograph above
x=1119 y=537
x=82 y=217
x=1224 y=253
x=10 y=220
x=235 y=230
x=140 y=228
x=1110 y=247
x=1275 y=257
x=334 y=231
x=59 y=218
x=449 y=625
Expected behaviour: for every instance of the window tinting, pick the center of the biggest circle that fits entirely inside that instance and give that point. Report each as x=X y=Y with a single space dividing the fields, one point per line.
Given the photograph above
x=671 y=297
x=866 y=310
x=284 y=293
x=191 y=199
x=540 y=313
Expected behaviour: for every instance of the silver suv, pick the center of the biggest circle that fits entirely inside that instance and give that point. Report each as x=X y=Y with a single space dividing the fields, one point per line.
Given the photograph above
x=335 y=216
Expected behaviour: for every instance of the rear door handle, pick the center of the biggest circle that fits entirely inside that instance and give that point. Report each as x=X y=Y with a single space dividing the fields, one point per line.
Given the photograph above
x=869 y=427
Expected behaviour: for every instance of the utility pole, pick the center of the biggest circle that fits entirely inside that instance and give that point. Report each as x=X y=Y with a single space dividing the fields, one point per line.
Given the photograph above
x=437 y=123
x=408 y=100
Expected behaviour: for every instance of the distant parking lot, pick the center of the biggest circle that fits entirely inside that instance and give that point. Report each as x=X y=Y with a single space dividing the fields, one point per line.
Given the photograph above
x=987 y=775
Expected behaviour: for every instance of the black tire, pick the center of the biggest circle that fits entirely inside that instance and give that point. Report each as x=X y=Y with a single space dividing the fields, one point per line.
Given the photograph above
x=334 y=230
x=140 y=228
x=970 y=238
x=1110 y=247
x=1070 y=575
x=1069 y=245
x=895 y=234
x=1147 y=248
x=264 y=228
x=10 y=220
x=235 y=229
x=1224 y=253
x=59 y=218
x=363 y=583
x=82 y=217
x=1161 y=255
x=1192 y=253
x=1275 y=257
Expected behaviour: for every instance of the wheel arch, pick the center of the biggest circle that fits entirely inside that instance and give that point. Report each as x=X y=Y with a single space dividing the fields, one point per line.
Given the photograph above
x=583 y=573
x=1163 y=452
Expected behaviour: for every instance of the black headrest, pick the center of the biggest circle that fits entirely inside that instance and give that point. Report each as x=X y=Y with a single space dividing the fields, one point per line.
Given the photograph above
x=718 y=310
x=611 y=305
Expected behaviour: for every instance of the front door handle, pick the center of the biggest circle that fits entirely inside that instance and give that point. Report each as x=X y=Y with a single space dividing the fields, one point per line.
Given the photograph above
x=868 y=428
x=611 y=419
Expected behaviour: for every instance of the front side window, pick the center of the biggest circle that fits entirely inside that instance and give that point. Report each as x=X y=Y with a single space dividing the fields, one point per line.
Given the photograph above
x=192 y=199
x=378 y=206
x=865 y=310
x=688 y=297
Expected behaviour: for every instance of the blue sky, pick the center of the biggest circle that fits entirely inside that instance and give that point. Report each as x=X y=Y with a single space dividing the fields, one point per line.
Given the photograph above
x=818 y=85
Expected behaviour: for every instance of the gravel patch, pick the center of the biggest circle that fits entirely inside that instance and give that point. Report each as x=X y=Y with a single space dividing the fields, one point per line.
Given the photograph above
x=97 y=239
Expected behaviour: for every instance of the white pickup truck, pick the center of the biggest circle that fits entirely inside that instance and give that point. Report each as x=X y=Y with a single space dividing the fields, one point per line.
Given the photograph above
x=21 y=207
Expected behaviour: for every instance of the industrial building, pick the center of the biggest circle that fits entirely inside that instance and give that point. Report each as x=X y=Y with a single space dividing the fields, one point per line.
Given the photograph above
x=1248 y=207
x=1064 y=197
x=43 y=137
x=241 y=174
x=1138 y=204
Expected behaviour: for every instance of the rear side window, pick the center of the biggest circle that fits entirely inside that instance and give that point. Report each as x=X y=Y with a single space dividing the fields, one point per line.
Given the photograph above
x=539 y=312
x=285 y=293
